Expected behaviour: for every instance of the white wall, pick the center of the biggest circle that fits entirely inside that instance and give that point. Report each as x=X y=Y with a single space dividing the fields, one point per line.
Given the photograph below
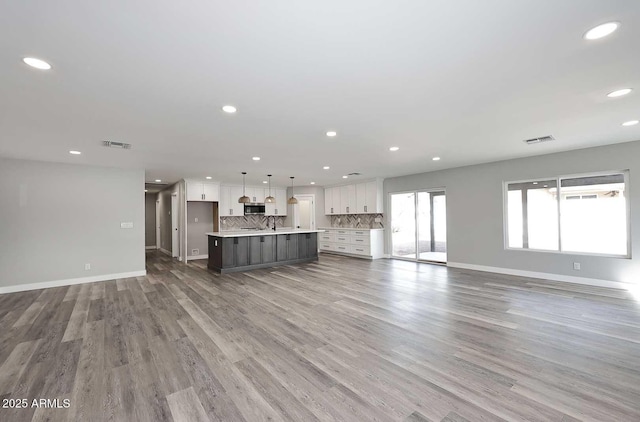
x=55 y=218
x=475 y=210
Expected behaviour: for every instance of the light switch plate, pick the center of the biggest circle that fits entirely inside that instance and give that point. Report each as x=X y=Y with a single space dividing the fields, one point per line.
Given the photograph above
x=126 y=225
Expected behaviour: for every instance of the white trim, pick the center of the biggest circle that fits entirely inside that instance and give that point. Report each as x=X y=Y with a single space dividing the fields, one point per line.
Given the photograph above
x=544 y=276
x=148 y=248
x=69 y=282
x=189 y=258
x=164 y=251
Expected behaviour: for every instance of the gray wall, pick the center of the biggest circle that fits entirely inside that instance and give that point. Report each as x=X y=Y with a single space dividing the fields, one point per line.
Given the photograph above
x=150 y=218
x=55 y=218
x=196 y=237
x=321 y=219
x=475 y=210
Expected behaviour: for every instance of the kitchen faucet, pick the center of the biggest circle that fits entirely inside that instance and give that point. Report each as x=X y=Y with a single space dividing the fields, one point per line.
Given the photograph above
x=274 y=223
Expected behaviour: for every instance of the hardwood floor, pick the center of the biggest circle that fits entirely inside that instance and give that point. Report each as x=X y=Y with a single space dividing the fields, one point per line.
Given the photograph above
x=338 y=340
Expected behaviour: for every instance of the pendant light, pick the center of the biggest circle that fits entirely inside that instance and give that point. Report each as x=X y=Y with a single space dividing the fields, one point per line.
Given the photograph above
x=293 y=200
x=269 y=199
x=244 y=199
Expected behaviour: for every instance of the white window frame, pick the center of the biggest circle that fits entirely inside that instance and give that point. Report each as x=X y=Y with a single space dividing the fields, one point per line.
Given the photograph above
x=505 y=212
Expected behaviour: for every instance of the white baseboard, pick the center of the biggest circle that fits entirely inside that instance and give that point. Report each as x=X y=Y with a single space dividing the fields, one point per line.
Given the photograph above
x=148 y=248
x=69 y=282
x=164 y=251
x=544 y=276
x=189 y=258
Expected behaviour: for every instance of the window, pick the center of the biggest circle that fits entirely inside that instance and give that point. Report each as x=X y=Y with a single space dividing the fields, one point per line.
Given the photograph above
x=578 y=214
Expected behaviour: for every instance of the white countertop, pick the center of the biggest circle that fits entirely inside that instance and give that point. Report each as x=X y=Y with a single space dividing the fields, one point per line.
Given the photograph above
x=267 y=232
x=349 y=228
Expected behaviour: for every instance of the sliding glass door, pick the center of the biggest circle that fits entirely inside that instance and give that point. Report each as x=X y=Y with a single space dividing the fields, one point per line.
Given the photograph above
x=419 y=226
x=403 y=225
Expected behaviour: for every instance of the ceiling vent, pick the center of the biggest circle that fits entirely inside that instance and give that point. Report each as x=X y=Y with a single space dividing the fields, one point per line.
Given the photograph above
x=539 y=140
x=114 y=144
x=355 y=174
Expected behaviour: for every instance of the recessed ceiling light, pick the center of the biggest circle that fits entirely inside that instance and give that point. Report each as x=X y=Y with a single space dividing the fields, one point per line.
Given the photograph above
x=535 y=183
x=75 y=152
x=631 y=123
x=312 y=183
x=208 y=177
x=436 y=158
x=545 y=186
x=331 y=134
x=601 y=31
x=619 y=93
x=265 y=182
x=255 y=158
x=345 y=177
x=158 y=180
x=326 y=168
x=37 y=63
x=229 y=109
x=394 y=149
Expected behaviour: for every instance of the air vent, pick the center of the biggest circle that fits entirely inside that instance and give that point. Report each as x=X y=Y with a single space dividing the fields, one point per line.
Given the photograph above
x=355 y=174
x=114 y=144
x=539 y=140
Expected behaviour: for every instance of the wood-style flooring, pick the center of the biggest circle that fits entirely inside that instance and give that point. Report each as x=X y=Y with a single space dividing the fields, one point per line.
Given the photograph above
x=338 y=340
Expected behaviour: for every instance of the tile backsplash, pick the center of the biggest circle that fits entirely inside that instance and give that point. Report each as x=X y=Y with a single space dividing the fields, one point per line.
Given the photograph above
x=248 y=221
x=351 y=221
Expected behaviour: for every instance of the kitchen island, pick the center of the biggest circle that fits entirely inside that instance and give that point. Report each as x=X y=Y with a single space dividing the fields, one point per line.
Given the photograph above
x=232 y=251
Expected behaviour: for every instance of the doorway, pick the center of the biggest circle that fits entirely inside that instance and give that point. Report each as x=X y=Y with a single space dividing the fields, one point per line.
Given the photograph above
x=174 y=226
x=419 y=226
x=304 y=213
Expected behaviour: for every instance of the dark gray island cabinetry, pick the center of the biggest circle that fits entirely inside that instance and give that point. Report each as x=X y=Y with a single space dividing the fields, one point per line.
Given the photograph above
x=243 y=251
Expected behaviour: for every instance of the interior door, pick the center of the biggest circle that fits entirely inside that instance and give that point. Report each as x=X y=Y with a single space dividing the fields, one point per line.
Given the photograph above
x=174 y=226
x=304 y=212
x=158 y=244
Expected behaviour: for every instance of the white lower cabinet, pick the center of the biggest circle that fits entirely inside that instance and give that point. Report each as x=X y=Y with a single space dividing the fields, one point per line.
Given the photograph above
x=362 y=243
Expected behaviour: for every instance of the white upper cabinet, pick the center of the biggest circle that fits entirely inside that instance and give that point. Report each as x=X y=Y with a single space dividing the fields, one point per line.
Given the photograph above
x=256 y=195
x=359 y=198
x=211 y=192
x=229 y=205
x=199 y=191
x=328 y=201
x=335 y=195
x=373 y=202
x=280 y=206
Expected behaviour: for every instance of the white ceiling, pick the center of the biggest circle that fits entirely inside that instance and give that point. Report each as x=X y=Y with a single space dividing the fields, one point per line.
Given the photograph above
x=466 y=80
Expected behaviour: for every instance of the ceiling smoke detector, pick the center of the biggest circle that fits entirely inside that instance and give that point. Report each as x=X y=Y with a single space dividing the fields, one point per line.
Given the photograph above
x=539 y=140
x=114 y=144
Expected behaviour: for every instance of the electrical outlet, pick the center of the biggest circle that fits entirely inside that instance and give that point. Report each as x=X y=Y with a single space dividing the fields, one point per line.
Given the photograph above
x=378 y=220
x=576 y=266
x=358 y=219
x=195 y=219
x=195 y=251
x=87 y=267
